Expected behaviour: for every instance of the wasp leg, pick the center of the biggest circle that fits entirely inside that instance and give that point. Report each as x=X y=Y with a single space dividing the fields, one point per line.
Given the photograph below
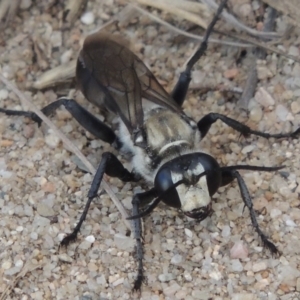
x=182 y=85
x=230 y=176
x=138 y=200
x=111 y=166
x=83 y=117
x=205 y=123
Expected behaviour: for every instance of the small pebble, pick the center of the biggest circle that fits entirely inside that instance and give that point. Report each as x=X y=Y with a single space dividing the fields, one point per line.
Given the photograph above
x=28 y=131
x=91 y=239
x=81 y=277
x=172 y=289
x=6 y=265
x=19 y=263
x=243 y=296
x=92 y=267
x=85 y=245
x=264 y=98
x=201 y=295
x=52 y=140
x=12 y=271
x=101 y=280
x=226 y=231
x=3 y=94
x=19 y=228
x=188 y=277
x=256 y=114
x=166 y=277
x=260 y=266
x=25 y=4
x=176 y=259
x=124 y=242
x=118 y=282
x=291 y=223
x=44 y=210
x=248 y=149
x=281 y=112
x=34 y=235
x=65 y=257
x=231 y=73
x=87 y=18
x=275 y=212
x=188 y=232
x=236 y=266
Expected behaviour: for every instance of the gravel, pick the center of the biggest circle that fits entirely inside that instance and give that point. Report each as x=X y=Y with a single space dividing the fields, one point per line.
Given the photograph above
x=42 y=191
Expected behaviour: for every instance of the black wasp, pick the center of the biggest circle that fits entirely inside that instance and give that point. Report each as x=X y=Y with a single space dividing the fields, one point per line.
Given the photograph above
x=153 y=128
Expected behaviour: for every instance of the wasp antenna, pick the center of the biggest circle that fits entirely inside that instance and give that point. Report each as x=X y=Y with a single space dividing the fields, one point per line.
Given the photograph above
x=251 y=168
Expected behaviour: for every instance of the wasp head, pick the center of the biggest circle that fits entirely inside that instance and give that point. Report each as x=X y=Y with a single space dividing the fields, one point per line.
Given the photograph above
x=188 y=182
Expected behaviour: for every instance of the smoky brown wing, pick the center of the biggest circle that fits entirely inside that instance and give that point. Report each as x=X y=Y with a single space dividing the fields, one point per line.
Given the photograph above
x=105 y=66
x=152 y=89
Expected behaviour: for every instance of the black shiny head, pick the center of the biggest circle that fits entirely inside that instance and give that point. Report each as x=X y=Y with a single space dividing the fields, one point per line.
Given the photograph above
x=201 y=177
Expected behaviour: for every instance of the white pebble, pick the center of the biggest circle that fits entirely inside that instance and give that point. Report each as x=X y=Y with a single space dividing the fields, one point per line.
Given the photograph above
x=166 y=277
x=226 y=231
x=12 y=271
x=52 y=140
x=257 y=267
x=188 y=277
x=56 y=39
x=239 y=250
x=176 y=259
x=19 y=228
x=84 y=245
x=290 y=223
x=101 y=280
x=188 y=232
x=289 y=154
x=6 y=265
x=256 y=114
x=34 y=235
x=19 y=263
x=248 y=149
x=3 y=94
x=293 y=50
x=264 y=98
x=81 y=277
x=65 y=257
x=281 y=112
x=124 y=242
x=172 y=289
x=275 y=212
x=66 y=56
x=90 y=239
x=87 y=18
x=118 y=281
x=243 y=296
x=236 y=266
x=295 y=107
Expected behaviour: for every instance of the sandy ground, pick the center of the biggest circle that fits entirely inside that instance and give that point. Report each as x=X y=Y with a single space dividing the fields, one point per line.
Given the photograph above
x=43 y=191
